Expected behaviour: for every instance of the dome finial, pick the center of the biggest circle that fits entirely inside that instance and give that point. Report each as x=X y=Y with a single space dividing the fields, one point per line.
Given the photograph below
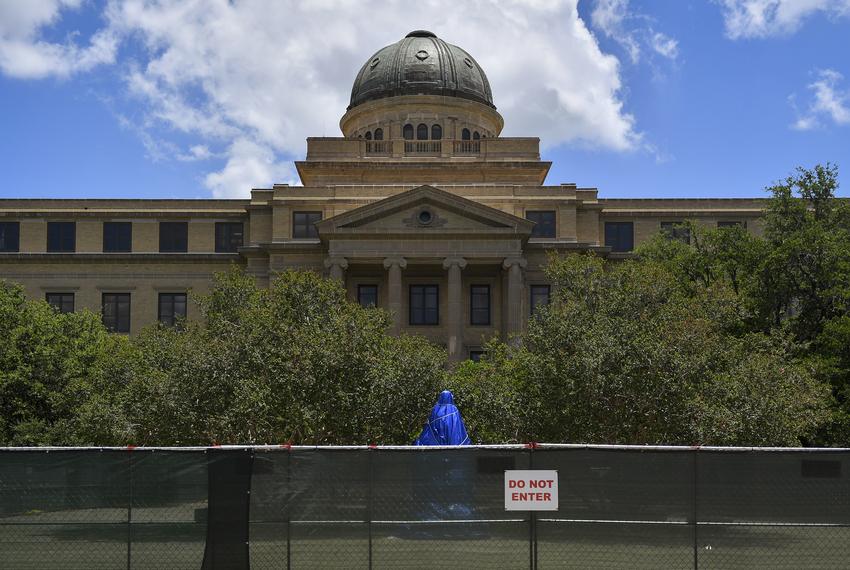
x=421 y=34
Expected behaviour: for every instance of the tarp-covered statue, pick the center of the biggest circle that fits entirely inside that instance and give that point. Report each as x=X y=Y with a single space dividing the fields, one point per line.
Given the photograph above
x=445 y=426
x=445 y=479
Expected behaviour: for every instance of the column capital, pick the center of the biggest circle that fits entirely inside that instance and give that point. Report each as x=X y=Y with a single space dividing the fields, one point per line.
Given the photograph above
x=390 y=261
x=511 y=261
x=336 y=261
x=450 y=261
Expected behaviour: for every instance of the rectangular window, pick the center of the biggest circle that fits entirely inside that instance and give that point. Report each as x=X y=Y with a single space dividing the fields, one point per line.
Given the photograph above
x=367 y=295
x=115 y=312
x=732 y=224
x=173 y=237
x=304 y=224
x=62 y=302
x=172 y=308
x=675 y=230
x=544 y=223
x=475 y=355
x=228 y=237
x=479 y=305
x=10 y=236
x=61 y=237
x=539 y=296
x=424 y=305
x=117 y=237
x=620 y=236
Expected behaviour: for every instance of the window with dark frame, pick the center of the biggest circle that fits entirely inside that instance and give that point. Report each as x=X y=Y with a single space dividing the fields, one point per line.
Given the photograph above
x=61 y=237
x=117 y=237
x=620 y=236
x=436 y=132
x=367 y=295
x=10 y=237
x=115 y=312
x=229 y=237
x=304 y=224
x=368 y=136
x=62 y=302
x=544 y=222
x=172 y=308
x=476 y=136
x=676 y=231
x=173 y=237
x=479 y=305
x=732 y=224
x=407 y=132
x=379 y=134
x=422 y=132
x=475 y=355
x=465 y=135
x=539 y=297
x=424 y=305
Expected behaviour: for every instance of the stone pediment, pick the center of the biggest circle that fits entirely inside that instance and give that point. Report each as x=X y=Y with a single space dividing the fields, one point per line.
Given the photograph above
x=424 y=211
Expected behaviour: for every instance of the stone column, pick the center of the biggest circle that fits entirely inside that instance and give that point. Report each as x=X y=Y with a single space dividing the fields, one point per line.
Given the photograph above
x=454 y=306
x=394 y=265
x=336 y=268
x=513 y=318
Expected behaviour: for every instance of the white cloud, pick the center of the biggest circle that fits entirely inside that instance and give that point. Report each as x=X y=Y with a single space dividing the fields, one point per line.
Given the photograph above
x=631 y=30
x=765 y=18
x=23 y=54
x=257 y=78
x=829 y=102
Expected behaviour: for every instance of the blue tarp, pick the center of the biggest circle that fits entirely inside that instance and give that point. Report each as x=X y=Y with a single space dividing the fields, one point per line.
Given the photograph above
x=445 y=426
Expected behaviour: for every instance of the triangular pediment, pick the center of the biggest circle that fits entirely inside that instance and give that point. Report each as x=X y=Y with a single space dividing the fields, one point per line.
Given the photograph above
x=425 y=210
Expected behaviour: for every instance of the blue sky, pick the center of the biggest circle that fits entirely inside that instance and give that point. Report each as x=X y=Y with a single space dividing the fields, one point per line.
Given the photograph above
x=208 y=98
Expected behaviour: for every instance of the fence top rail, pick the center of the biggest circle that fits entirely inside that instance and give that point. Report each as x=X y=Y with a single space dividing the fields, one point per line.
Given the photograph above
x=506 y=447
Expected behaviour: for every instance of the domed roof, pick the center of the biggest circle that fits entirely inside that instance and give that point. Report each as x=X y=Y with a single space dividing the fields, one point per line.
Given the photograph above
x=421 y=64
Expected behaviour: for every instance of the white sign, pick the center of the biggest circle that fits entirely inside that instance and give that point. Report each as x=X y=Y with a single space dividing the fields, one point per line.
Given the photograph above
x=531 y=490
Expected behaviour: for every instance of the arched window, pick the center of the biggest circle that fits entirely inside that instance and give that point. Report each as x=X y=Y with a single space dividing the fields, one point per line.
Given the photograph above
x=368 y=135
x=464 y=135
x=476 y=136
x=422 y=132
x=436 y=132
x=379 y=134
x=408 y=132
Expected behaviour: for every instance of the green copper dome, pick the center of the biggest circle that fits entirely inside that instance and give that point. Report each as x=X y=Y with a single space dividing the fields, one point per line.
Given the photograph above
x=421 y=64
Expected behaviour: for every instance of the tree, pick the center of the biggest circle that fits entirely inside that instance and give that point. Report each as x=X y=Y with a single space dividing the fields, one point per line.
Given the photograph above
x=625 y=355
x=296 y=362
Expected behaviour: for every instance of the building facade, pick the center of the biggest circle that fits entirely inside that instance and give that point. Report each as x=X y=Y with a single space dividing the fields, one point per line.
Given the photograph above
x=420 y=208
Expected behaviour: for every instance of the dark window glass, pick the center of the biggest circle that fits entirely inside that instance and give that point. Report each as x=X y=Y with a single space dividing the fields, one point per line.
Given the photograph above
x=117 y=236
x=10 y=236
x=544 y=223
x=475 y=355
x=228 y=236
x=436 y=132
x=675 y=230
x=424 y=305
x=172 y=308
x=379 y=134
x=422 y=132
x=479 y=305
x=368 y=135
x=407 y=132
x=464 y=135
x=62 y=302
x=367 y=295
x=173 y=237
x=539 y=296
x=61 y=236
x=304 y=224
x=732 y=224
x=620 y=236
x=115 y=312
x=476 y=136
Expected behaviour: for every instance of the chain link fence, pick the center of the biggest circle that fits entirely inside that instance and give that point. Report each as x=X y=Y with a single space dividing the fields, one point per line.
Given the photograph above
x=402 y=507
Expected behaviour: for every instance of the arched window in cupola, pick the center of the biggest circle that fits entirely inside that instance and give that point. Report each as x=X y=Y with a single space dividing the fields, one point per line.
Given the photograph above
x=408 y=132
x=422 y=132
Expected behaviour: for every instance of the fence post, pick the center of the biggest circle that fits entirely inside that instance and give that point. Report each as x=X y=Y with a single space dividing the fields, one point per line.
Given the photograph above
x=288 y=506
x=369 y=454
x=532 y=518
x=129 y=505
x=695 y=452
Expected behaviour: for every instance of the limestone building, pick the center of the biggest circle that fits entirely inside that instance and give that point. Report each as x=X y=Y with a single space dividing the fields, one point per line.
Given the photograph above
x=420 y=207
